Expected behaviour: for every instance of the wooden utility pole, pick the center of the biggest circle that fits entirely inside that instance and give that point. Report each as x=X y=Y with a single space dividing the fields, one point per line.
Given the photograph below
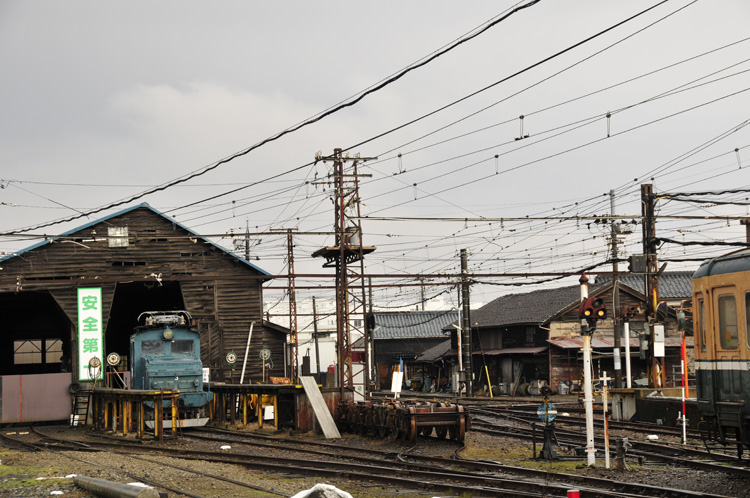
x=648 y=200
x=746 y=222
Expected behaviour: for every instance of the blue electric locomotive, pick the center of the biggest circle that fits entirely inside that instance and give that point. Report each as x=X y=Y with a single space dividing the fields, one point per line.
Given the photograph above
x=721 y=324
x=165 y=354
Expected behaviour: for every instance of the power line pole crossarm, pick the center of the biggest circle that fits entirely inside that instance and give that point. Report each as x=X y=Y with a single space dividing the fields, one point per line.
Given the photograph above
x=347 y=256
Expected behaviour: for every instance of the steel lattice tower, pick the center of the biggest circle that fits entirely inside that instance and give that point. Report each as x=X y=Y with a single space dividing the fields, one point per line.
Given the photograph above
x=347 y=256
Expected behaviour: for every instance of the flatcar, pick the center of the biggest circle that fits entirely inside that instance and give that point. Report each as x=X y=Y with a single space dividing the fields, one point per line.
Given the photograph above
x=165 y=353
x=721 y=324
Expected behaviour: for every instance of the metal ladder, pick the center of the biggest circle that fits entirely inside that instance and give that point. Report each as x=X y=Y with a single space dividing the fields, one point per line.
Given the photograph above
x=81 y=407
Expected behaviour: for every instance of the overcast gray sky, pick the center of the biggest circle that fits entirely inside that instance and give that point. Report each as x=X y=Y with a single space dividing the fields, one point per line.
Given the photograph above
x=102 y=100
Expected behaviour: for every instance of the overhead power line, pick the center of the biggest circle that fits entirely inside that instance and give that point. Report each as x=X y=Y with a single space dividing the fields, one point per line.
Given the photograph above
x=287 y=131
x=503 y=80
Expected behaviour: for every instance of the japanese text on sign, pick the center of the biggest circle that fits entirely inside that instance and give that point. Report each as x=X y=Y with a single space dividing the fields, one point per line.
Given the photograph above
x=90 y=333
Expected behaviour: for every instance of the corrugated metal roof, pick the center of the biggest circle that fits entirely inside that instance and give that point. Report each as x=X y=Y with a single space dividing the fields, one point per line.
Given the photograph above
x=412 y=324
x=672 y=285
x=608 y=343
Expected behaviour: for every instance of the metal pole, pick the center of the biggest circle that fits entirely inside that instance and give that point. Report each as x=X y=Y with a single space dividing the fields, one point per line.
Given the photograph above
x=617 y=321
x=315 y=335
x=683 y=368
x=293 y=367
x=466 y=325
x=247 y=350
x=588 y=399
x=626 y=334
x=109 y=489
x=606 y=422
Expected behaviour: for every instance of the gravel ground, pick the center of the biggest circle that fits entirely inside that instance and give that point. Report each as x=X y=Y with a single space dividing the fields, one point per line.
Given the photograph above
x=35 y=475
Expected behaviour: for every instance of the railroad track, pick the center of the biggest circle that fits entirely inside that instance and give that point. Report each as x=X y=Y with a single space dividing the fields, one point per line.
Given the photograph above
x=402 y=470
x=528 y=416
x=673 y=455
x=49 y=443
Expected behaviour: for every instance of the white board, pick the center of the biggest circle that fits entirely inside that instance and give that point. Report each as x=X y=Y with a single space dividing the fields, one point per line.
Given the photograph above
x=322 y=413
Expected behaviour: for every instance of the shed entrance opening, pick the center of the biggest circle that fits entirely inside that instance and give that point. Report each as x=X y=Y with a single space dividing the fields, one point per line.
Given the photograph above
x=129 y=302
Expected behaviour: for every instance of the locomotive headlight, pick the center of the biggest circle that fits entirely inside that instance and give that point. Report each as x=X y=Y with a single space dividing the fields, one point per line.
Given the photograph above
x=153 y=384
x=195 y=382
x=167 y=334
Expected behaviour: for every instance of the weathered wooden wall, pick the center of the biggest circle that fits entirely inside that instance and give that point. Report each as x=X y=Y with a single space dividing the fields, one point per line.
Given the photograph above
x=222 y=292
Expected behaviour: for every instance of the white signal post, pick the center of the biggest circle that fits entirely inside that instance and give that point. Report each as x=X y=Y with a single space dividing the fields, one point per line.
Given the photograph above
x=606 y=422
x=626 y=334
x=588 y=399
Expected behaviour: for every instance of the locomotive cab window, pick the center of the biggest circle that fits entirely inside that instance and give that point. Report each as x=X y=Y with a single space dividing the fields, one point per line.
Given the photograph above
x=728 y=322
x=152 y=347
x=184 y=347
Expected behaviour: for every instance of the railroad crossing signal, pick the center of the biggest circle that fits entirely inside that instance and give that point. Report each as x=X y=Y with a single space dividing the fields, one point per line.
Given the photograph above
x=592 y=308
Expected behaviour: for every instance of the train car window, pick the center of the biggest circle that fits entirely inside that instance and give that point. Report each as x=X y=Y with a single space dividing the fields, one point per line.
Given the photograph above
x=152 y=347
x=747 y=318
x=728 y=322
x=702 y=325
x=183 y=347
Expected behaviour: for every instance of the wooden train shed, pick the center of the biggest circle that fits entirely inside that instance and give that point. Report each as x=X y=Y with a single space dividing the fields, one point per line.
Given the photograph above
x=135 y=260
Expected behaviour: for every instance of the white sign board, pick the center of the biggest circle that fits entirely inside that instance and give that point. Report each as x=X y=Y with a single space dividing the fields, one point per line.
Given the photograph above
x=90 y=334
x=659 y=341
x=398 y=378
x=206 y=375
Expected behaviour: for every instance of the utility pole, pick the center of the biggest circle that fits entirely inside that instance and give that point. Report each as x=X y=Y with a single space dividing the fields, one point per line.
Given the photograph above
x=466 y=325
x=247 y=240
x=371 y=366
x=746 y=222
x=421 y=281
x=616 y=319
x=347 y=256
x=648 y=200
x=294 y=352
x=315 y=335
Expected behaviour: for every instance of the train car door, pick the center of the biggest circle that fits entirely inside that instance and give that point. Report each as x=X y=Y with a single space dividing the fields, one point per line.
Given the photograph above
x=728 y=385
x=704 y=355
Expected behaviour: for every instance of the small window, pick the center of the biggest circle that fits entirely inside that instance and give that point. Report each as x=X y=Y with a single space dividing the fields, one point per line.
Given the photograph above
x=37 y=351
x=183 y=347
x=701 y=325
x=53 y=351
x=152 y=347
x=118 y=236
x=728 y=322
x=530 y=335
x=27 y=352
